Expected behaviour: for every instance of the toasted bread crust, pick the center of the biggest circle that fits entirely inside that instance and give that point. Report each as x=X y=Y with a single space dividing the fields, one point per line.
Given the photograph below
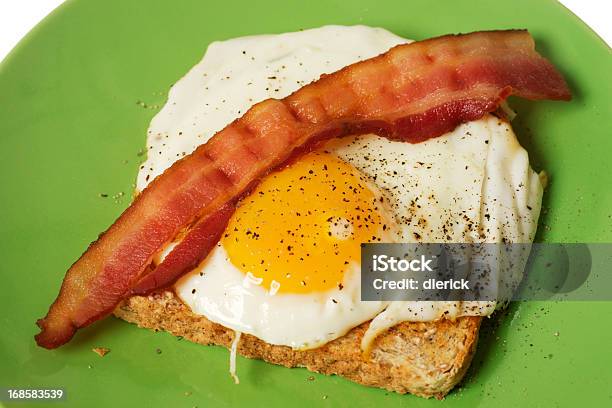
x=425 y=359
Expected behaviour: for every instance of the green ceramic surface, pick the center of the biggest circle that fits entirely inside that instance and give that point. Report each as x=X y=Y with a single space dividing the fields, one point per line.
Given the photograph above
x=71 y=129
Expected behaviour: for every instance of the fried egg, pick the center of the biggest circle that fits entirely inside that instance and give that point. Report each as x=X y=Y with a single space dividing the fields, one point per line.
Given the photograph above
x=287 y=267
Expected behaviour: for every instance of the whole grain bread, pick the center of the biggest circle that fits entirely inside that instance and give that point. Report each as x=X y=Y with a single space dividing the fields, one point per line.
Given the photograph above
x=425 y=359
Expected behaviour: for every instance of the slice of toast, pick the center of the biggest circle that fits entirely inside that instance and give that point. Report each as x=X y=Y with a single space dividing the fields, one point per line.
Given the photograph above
x=425 y=359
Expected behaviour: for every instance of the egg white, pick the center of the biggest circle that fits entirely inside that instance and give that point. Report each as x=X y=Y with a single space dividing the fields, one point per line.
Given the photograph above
x=228 y=297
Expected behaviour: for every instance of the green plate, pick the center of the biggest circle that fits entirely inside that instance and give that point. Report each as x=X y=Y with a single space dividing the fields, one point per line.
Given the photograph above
x=71 y=129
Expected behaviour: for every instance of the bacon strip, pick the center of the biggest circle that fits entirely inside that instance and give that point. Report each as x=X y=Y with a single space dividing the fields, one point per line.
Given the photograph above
x=411 y=93
x=188 y=253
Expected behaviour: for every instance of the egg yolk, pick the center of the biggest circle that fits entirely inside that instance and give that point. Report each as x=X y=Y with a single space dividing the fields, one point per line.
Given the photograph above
x=302 y=227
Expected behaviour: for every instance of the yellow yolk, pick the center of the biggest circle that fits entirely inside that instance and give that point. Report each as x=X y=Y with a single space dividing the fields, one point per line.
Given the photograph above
x=302 y=227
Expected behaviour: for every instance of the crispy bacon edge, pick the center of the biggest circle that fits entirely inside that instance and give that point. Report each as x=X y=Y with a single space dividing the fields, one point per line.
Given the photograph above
x=411 y=93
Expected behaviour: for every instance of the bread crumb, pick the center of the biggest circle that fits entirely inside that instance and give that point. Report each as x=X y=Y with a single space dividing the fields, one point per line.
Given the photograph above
x=101 y=351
